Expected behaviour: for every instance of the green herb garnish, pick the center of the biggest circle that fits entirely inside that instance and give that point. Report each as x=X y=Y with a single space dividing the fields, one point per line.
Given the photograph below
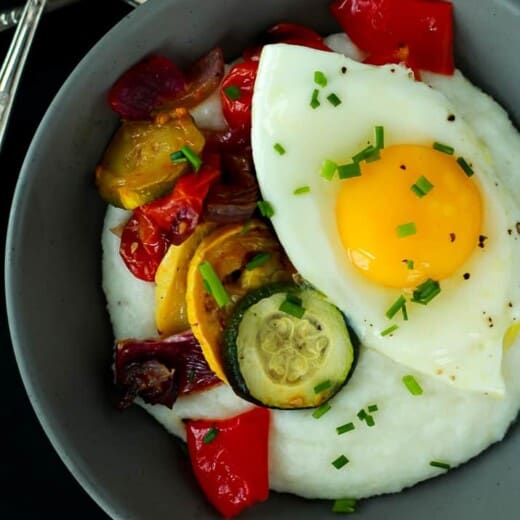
x=233 y=92
x=468 y=170
x=340 y=462
x=380 y=137
x=413 y=386
x=437 y=464
x=406 y=230
x=315 y=102
x=444 y=148
x=426 y=292
x=258 y=260
x=302 y=190
x=213 y=284
x=265 y=208
x=344 y=428
x=210 y=436
x=279 y=148
x=322 y=410
x=389 y=330
x=395 y=307
x=422 y=186
x=321 y=387
x=333 y=99
x=344 y=505
x=320 y=78
x=328 y=169
x=347 y=171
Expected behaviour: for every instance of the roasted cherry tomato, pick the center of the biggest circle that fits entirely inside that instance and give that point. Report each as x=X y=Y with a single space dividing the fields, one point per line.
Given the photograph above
x=143 y=245
x=418 y=33
x=236 y=94
x=230 y=459
x=179 y=212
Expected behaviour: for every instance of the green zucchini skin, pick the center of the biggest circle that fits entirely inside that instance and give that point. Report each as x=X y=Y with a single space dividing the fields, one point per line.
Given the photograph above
x=230 y=344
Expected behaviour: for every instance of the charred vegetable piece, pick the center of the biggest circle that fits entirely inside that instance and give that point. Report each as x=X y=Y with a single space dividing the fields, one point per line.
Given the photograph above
x=230 y=459
x=145 y=86
x=231 y=140
x=170 y=279
x=136 y=167
x=158 y=370
x=143 y=246
x=234 y=198
x=416 y=32
x=225 y=253
x=179 y=212
x=287 y=347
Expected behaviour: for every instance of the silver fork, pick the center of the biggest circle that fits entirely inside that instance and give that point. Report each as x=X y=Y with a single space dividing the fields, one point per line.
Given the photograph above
x=14 y=62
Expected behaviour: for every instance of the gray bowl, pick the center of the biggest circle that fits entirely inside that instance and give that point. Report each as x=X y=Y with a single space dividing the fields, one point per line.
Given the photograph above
x=59 y=326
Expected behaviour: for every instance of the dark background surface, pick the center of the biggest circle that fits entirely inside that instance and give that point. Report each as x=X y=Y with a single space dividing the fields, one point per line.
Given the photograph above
x=34 y=483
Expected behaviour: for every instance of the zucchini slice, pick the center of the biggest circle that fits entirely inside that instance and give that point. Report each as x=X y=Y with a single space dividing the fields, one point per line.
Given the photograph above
x=277 y=359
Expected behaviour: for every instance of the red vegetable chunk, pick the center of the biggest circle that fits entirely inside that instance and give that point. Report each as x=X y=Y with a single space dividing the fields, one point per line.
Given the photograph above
x=145 y=86
x=158 y=370
x=179 y=212
x=230 y=459
x=143 y=245
x=418 y=33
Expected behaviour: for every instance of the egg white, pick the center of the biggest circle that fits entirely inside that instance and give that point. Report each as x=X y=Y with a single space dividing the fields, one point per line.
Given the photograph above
x=445 y=423
x=458 y=336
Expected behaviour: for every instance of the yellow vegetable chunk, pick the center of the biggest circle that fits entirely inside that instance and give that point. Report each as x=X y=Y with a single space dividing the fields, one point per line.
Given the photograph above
x=170 y=279
x=228 y=250
x=136 y=167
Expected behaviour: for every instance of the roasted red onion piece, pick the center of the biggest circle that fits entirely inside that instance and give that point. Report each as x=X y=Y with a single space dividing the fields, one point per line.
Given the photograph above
x=145 y=86
x=158 y=370
x=234 y=198
x=228 y=140
x=203 y=77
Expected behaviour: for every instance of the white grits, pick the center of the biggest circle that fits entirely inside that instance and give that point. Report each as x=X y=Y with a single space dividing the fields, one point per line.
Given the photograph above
x=444 y=424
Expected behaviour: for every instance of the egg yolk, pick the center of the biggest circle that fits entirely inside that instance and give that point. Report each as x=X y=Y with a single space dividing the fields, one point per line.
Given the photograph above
x=394 y=236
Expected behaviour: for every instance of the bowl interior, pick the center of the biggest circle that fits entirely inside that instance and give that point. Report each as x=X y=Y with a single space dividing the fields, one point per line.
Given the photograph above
x=57 y=316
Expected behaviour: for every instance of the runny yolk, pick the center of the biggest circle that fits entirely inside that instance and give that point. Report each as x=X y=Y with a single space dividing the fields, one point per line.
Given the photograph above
x=372 y=207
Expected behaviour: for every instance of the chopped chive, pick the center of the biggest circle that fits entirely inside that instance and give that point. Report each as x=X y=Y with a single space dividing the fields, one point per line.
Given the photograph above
x=340 y=462
x=380 y=137
x=233 y=92
x=193 y=158
x=210 y=436
x=265 y=208
x=245 y=229
x=345 y=428
x=315 y=102
x=302 y=190
x=290 y=297
x=279 y=148
x=291 y=308
x=216 y=289
x=409 y=264
x=333 y=99
x=206 y=286
x=321 y=411
x=373 y=408
x=389 y=330
x=328 y=169
x=395 y=307
x=426 y=292
x=406 y=230
x=422 y=186
x=344 y=505
x=324 y=385
x=363 y=154
x=362 y=415
x=370 y=421
x=468 y=170
x=347 y=171
x=437 y=464
x=405 y=313
x=444 y=148
x=178 y=157
x=257 y=261
x=374 y=156
x=413 y=386
x=191 y=376
x=320 y=78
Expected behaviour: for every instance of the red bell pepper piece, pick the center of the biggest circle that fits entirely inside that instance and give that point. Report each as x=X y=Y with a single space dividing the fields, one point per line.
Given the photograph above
x=230 y=459
x=172 y=219
x=416 y=32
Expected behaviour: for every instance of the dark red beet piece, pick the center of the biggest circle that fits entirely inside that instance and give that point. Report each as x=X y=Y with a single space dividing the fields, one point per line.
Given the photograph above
x=142 y=88
x=158 y=370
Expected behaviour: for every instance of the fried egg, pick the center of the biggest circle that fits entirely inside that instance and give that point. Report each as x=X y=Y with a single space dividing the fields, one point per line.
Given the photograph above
x=375 y=238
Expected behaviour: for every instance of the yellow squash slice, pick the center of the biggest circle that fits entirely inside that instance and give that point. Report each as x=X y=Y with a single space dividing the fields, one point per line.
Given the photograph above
x=228 y=249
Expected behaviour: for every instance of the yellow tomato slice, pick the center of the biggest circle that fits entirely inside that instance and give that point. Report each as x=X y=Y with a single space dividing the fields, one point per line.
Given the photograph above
x=170 y=280
x=228 y=250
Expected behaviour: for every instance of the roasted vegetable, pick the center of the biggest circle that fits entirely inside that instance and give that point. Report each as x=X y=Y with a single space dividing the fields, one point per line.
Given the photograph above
x=229 y=250
x=287 y=347
x=158 y=370
x=230 y=459
x=170 y=279
x=136 y=167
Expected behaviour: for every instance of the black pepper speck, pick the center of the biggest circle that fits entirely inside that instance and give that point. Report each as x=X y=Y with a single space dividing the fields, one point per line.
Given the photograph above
x=452 y=237
x=466 y=276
